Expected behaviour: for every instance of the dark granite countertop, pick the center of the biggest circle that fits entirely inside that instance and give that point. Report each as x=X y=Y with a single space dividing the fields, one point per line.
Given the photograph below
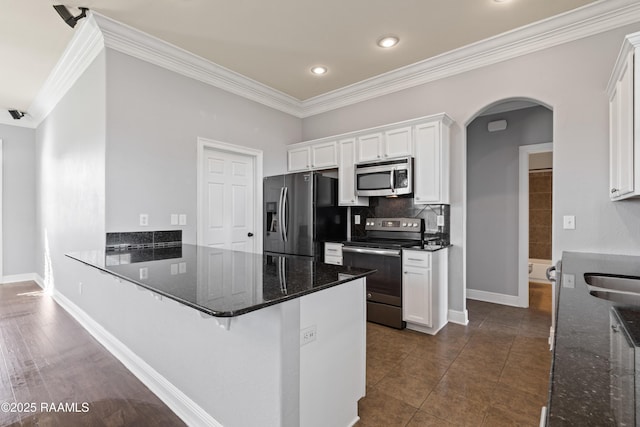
x=589 y=385
x=220 y=282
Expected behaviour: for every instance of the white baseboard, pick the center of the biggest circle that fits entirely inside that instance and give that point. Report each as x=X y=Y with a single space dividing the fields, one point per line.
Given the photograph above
x=493 y=297
x=459 y=317
x=14 y=278
x=185 y=408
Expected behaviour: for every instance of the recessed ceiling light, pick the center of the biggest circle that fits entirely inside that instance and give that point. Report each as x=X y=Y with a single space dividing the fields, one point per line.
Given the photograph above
x=501 y=1
x=319 y=70
x=388 y=41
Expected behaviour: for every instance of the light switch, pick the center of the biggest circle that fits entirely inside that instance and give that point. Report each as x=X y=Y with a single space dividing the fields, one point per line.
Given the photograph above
x=183 y=219
x=174 y=219
x=174 y=269
x=144 y=219
x=569 y=222
x=356 y=219
x=144 y=273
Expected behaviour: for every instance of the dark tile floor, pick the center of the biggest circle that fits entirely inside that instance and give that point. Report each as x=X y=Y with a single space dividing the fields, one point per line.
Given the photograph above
x=492 y=372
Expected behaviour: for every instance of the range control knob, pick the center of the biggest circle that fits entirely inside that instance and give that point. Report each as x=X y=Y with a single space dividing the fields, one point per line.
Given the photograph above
x=415 y=224
x=404 y=224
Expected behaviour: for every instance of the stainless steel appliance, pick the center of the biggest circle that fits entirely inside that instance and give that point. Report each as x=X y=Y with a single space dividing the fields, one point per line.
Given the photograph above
x=301 y=213
x=381 y=249
x=385 y=178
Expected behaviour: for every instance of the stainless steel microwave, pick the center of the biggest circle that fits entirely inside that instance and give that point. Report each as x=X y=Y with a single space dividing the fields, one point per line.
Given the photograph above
x=393 y=177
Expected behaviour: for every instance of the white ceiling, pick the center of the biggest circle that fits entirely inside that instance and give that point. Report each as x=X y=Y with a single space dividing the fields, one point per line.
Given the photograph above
x=274 y=42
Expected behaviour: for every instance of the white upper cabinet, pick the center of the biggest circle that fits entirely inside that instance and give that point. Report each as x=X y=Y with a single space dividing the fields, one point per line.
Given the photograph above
x=431 y=162
x=323 y=155
x=346 y=175
x=370 y=147
x=624 y=122
x=298 y=159
x=426 y=139
x=398 y=142
x=395 y=142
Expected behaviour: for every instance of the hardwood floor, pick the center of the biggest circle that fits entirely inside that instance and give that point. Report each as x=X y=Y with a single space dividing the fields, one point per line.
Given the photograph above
x=47 y=361
x=492 y=372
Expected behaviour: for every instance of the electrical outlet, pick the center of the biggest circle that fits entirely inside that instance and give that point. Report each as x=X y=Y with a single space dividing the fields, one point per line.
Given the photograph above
x=440 y=220
x=144 y=273
x=568 y=281
x=308 y=335
x=144 y=219
x=182 y=219
x=174 y=219
x=569 y=222
x=356 y=219
x=182 y=267
x=174 y=269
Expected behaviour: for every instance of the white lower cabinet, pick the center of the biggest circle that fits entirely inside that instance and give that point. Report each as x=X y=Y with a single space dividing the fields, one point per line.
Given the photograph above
x=425 y=290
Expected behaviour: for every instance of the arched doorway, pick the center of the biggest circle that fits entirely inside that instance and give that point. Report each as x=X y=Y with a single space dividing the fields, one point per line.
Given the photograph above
x=500 y=142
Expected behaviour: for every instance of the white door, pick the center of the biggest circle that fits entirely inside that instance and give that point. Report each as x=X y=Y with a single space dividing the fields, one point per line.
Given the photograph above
x=228 y=197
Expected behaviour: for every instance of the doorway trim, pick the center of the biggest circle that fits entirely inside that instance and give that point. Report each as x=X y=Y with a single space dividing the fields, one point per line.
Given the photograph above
x=523 y=218
x=210 y=144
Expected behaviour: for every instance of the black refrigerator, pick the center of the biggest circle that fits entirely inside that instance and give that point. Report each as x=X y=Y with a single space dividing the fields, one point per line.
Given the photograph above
x=301 y=212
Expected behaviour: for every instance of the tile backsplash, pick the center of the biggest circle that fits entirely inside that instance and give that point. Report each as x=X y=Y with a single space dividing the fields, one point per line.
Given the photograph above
x=143 y=239
x=392 y=207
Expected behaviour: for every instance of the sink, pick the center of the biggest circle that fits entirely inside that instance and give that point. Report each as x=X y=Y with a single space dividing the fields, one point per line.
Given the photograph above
x=614 y=287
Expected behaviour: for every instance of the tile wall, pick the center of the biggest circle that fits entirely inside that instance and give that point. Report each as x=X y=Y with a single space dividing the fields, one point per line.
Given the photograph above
x=382 y=207
x=540 y=214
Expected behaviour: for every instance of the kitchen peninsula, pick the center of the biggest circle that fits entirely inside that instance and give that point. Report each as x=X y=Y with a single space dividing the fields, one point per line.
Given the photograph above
x=249 y=339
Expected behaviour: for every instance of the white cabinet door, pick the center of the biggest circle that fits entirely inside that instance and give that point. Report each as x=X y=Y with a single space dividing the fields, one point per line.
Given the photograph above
x=425 y=305
x=398 y=142
x=431 y=171
x=346 y=175
x=324 y=155
x=299 y=159
x=416 y=296
x=370 y=147
x=621 y=160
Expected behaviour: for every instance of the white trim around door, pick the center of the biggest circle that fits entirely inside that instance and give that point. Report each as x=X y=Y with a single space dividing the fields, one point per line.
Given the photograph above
x=210 y=144
x=523 y=218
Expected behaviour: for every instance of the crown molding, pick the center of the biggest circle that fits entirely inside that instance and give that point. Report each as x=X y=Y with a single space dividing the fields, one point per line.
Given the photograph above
x=96 y=32
x=583 y=22
x=85 y=45
x=131 y=41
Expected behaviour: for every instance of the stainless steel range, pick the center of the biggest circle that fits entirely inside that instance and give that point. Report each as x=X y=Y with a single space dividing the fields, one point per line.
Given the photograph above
x=381 y=249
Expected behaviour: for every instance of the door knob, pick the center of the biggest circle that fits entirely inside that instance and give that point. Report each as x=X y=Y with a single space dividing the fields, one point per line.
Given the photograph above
x=250 y=234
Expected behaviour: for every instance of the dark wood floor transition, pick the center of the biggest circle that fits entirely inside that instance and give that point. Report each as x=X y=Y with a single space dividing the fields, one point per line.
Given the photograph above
x=53 y=373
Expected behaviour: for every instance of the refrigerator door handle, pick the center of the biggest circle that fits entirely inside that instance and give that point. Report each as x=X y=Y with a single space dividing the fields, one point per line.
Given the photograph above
x=280 y=215
x=285 y=201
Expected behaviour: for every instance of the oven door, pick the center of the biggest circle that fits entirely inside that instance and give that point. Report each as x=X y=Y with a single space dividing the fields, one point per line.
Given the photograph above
x=384 y=286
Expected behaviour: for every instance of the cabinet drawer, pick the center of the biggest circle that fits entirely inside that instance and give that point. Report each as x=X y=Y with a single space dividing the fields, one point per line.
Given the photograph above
x=333 y=249
x=416 y=259
x=329 y=259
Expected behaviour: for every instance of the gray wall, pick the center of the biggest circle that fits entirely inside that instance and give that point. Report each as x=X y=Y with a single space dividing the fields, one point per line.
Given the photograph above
x=70 y=182
x=18 y=199
x=571 y=79
x=492 y=195
x=154 y=119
